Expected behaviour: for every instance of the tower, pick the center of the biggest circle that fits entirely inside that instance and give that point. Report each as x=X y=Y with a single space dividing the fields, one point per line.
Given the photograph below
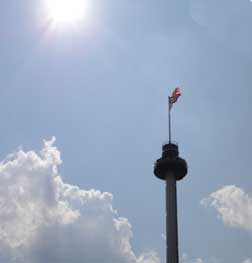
x=171 y=168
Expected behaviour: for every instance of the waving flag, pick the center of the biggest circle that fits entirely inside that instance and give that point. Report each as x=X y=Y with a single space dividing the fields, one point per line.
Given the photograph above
x=174 y=97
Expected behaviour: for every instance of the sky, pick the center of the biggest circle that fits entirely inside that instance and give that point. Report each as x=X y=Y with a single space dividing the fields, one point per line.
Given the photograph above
x=83 y=111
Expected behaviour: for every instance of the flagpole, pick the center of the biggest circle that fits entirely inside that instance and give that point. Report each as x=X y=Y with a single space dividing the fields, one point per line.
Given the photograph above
x=169 y=119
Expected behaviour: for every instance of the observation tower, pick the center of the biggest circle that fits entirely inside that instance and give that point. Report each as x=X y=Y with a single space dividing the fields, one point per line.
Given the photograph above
x=171 y=168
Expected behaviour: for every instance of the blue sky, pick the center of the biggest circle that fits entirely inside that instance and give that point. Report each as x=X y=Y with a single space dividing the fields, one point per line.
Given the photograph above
x=101 y=89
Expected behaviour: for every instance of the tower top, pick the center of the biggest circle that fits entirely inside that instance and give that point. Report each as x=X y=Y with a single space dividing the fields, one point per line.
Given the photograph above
x=170 y=150
x=170 y=162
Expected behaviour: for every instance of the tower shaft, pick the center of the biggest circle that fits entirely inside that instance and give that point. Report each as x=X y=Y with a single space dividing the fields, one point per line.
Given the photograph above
x=171 y=219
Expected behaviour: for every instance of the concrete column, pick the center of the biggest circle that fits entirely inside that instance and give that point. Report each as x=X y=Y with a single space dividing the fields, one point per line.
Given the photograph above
x=171 y=219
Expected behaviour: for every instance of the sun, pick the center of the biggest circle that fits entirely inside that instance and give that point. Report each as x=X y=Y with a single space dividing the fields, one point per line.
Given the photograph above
x=66 y=11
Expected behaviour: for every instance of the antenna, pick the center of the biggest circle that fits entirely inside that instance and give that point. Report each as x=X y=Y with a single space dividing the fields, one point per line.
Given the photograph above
x=169 y=118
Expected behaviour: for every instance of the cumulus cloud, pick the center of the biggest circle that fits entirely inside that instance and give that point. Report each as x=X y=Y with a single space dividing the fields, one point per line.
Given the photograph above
x=185 y=259
x=233 y=205
x=45 y=220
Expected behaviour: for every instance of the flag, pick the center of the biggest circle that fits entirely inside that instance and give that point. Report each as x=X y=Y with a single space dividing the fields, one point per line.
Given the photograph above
x=174 y=97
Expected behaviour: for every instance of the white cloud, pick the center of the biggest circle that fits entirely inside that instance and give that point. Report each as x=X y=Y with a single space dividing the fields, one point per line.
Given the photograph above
x=44 y=220
x=233 y=205
x=185 y=259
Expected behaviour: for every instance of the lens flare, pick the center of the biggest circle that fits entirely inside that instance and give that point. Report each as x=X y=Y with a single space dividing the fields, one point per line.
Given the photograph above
x=66 y=11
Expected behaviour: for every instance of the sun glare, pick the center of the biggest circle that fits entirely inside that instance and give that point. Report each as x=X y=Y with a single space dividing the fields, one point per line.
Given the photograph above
x=66 y=11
